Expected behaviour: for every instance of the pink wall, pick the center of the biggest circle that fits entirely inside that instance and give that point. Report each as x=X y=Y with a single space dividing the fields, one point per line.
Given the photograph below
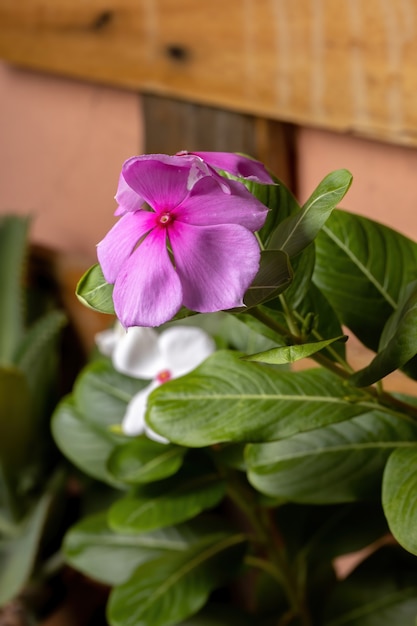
x=384 y=176
x=62 y=145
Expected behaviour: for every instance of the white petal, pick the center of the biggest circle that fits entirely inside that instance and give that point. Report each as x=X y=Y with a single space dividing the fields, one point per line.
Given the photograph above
x=137 y=353
x=183 y=348
x=107 y=340
x=133 y=422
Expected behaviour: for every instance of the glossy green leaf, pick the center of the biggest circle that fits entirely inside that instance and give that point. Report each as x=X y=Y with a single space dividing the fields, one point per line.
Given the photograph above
x=317 y=318
x=277 y=197
x=85 y=443
x=93 y=291
x=369 y=269
x=13 y=249
x=110 y=557
x=165 y=503
x=273 y=277
x=399 y=496
x=300 y=229
x=340 y=463
x=303 y=267
x=170 y=589
x=291 y=354
x=143 y=460
x=18 y=552
x=102 y=394
x=399 y=342
x=227 y=399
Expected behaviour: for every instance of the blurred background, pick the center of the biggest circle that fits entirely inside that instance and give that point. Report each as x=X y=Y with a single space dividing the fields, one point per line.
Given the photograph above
x=308 y=86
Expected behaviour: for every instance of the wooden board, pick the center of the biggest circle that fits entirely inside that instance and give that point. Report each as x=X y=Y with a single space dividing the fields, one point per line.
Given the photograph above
x=348 y=65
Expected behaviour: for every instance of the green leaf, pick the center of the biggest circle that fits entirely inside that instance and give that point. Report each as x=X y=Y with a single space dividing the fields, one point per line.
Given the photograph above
x=18 y=552
x=303 y=267
x=399 y=496
x=227 y=399
x=93 y=291
x=280 y=201
x=291 y=354
x=340 y=463
x=38 y=357
x=273 y=277
x=277 y=197
x=102 y=394
x=299 y=230
x=221 y=615
x=369 y=269
x=165 y=503
x=170 y=589
x=86 y=444
x=323 y=319
x=110 y=557
x=13 y=249
x=399 y=342
x=142 y=461
x=15 y=418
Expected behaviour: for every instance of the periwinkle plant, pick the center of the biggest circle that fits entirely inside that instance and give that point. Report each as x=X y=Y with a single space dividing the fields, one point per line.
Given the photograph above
x=266 y=473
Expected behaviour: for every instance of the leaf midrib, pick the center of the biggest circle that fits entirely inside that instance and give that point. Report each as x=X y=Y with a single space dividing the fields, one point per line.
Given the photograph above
x=360 y=266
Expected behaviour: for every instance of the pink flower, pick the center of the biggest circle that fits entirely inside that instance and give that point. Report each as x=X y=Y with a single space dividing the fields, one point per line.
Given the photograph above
x=191 y=244
x=143 y=354
x=236 y=164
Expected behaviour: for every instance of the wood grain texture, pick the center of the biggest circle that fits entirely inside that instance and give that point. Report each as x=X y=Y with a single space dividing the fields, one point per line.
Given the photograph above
x=172 y=125
x=344 y=65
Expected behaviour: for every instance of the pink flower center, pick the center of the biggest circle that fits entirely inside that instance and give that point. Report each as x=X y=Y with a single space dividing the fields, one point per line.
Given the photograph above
x=163 y=376
x=164 y=219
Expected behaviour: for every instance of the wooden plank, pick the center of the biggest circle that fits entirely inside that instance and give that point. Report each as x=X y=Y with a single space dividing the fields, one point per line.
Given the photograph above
x=172 y=125
x=348 y=66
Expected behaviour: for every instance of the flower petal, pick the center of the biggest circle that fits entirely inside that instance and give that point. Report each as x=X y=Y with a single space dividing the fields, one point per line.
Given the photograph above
x=216 y=264
x=237 y=165
x=207 y=205
x=127 y=199
x=117 y=246
x=107 y=340
x=160 y=179
x=133 y=422
x=137 y=353
x=147 y=291
x=183 y=348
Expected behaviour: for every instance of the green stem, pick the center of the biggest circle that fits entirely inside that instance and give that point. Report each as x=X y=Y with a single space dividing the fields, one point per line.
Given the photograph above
x=292 y=324
x=272 y=545
x=383 y=398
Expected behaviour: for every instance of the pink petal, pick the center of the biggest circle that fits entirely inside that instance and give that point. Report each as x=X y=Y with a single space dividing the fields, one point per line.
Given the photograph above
x=207 y=205
x=127 y=199
x=216 y=264
x=137 y=353
x=160 y=179
x=116 y=247
x=237 y=165
x=147 y=291
x=184 y=347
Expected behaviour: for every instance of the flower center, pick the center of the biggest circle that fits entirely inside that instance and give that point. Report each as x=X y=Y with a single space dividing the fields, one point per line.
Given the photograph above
x=164 y=219
x=163 y=376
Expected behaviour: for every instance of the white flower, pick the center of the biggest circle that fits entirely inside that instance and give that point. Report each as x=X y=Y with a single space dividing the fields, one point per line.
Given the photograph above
x=145 y=354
